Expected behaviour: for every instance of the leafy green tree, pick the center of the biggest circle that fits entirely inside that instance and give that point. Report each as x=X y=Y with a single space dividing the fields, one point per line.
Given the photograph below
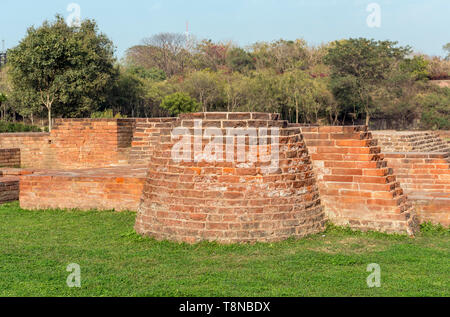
x=3 y=100
x=180 y=103
x=69 y=70
x=435 y=109
x=360 y=66
x=127 y=95
x=417 y=67
x=154 y=74
x=239 y=60
x=281 y=55
x=262 y=92
x=206 y=87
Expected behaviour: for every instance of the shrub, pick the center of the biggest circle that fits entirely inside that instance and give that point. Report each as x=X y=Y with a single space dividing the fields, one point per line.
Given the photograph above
x=11 y=127
x=180 y=103
x=435 y=109
x=106 y=114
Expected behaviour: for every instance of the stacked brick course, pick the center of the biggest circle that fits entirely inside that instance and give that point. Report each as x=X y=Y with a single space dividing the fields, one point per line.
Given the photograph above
x=87 y=143
x=9 y=189
x=231 y=201
x=74 y=143
x=419 y=141
x=145 y=138
x=425 y=177
x=9 y=157
x=34 y=148
x=356 y=187
x=113 y=188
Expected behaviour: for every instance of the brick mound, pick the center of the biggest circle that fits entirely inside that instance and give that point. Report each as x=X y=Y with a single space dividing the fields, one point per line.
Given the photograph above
x=111 y=188
x=425 y=177
x=411 y=141
x=356 y=187
x=235 y=201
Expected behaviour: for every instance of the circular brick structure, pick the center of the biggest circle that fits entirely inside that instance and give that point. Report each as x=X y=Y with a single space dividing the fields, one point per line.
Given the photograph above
x=214 y=192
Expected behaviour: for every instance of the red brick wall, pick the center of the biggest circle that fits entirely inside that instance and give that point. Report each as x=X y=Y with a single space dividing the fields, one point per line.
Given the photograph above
x=82 y=143
x=356 y=187
x=9 y=157
x=229 y=201
x=34 y=148
x=75 y=143
x=9 y=189
x=145 y=138
x=118 y=188
x=425 y=177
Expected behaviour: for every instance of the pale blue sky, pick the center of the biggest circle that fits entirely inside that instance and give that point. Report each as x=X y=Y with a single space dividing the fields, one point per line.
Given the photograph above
x=422 y=24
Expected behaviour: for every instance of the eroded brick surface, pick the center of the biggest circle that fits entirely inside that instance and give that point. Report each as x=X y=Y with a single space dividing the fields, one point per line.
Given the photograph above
x=356 y=186
x=231 y=201
x=9 y=157
x=111 y=188
x=425 y=177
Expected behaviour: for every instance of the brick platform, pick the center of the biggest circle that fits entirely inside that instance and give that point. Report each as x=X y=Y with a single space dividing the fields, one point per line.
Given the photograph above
x=118 y=188
x=235 y=201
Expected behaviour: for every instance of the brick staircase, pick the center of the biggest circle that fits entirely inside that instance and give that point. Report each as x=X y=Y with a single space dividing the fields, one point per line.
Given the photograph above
x=356 y=185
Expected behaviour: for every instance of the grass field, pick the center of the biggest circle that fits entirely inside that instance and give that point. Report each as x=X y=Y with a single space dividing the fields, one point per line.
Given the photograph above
x=36 y=247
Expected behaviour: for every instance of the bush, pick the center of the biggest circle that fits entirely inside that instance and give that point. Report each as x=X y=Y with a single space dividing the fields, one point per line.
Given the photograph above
x=435 y=109
x=11 y=127
x=180 y=103
x=107 y=114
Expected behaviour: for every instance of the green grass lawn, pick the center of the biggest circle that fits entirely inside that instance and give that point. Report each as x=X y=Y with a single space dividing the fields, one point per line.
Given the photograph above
x=36 y=247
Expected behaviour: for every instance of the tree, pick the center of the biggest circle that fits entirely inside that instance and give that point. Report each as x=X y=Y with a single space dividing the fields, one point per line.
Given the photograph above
x=66 y=69
x=180 y=103
x=361 y=66
x=205 y=87
x=212 y=56
x=239 y=60
x=263 y=92
x=447 y=49
x=280 y=55
x=166 y=51
x=3 y=100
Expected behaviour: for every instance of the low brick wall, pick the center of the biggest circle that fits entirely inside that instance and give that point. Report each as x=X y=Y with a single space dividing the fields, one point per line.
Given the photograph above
x=356 y=187
x=88 y=143
x=425 y=177
x=114 y=188
x=34 y=148
x=9 y=157
x=75 y=143
x=230 y=202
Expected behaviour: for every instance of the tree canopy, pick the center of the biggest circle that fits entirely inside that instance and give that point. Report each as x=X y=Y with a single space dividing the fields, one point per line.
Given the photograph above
x=69 y=70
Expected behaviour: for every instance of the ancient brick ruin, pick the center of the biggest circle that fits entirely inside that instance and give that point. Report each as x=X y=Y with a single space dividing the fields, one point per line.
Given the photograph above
x=384 y=181
x=236 y=200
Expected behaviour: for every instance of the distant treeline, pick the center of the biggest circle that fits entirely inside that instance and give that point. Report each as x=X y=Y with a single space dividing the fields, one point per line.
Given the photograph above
x=65 y=71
